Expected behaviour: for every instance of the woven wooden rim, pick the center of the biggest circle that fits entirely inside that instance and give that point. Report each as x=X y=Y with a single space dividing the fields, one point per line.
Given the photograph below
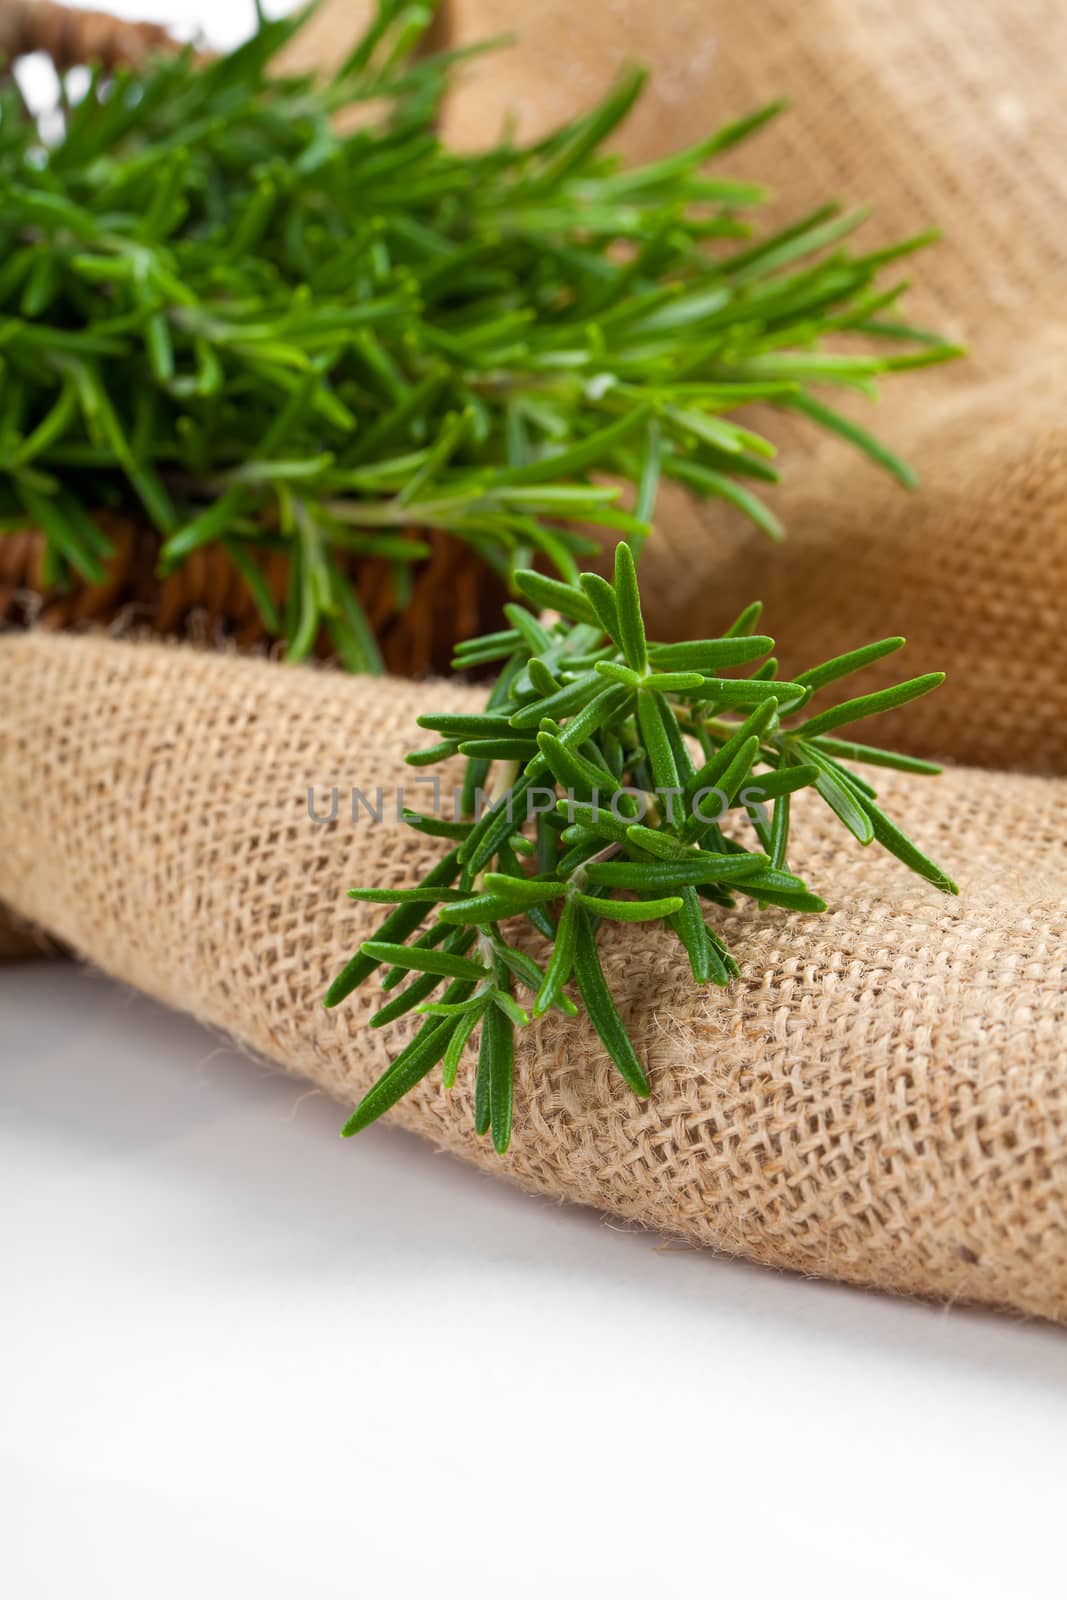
x=73 y=37
x=452 y=596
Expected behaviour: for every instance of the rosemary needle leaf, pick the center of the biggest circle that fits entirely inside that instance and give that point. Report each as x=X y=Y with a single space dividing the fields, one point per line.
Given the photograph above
x=603 y=1014
x=601 y=597
x=869 y=705
x=458 y=1042
x=853 y=661
x=441 y=962
x=400 y=897
x=600 y=833
x=498 y=1039
x=396 y=927
x=628 y=604
x=700 y=867
x=525 y=891
x=482 y=908
x=630 y=910
x=547 y=594
x=409 y=1068
x=561 y=964
x=710 y=655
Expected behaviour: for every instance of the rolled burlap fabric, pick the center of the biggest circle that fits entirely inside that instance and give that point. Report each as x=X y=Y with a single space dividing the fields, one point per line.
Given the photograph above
x=880 y=1097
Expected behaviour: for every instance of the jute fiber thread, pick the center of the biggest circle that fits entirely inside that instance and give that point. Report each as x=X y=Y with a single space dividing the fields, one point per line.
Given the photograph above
x=881 y=1097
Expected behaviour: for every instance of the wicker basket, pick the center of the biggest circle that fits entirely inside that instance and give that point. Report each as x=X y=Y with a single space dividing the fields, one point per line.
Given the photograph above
x=453 y=595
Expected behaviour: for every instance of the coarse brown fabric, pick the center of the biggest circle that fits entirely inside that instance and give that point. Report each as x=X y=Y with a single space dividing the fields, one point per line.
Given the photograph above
x=936 y=113
x=881 y=1096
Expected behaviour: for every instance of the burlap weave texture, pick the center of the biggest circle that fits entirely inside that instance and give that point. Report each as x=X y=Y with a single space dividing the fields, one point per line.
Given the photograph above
x=881 y=1097
x=935 y=114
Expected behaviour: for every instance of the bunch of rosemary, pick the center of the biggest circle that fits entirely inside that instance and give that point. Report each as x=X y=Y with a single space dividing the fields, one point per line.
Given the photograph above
x=622 y=765
x=261 y=332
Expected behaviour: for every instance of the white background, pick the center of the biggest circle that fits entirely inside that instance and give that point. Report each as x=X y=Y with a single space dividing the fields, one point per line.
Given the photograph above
x=241 y=1358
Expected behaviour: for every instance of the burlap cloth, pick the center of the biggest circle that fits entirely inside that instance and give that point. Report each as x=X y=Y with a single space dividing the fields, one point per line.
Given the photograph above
x=936 y=113
x=882 y=1097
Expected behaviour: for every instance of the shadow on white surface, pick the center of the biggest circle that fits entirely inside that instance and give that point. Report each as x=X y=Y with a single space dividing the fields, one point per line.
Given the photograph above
x=98 y=1070
x=224 y=1314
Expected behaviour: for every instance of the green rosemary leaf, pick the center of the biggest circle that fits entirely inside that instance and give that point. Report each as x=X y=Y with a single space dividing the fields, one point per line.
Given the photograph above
x=776 y=887
x=494 y=646
x=786 y=780
x=778 y=833
x=705 y=963
x=703 y=867
x=652 y=716
x=409 y=999
x=550 y=595
x=840 y=795
x=437 y=933
x=601 y=597
x=749 y=691
x=869 y=705
x=543 y=681
x=458 y=1042
x=529 y=973
x=853 y=661
x=573 y=771
x=396 y=927
x=898 y=844
x=592 y=451
x=603 y=1014
x=620 y=674
x=658 y=843
x=441 y=962
x=439 y=1009
x=630 y=910
x=628 y=604
x=436 y=827
x=494 y=826
x=744 y=624
x=400 y=897
x=563 y=703
x=725 y=791
x=432 y=754
x=847 y=750
x=709 y=655
x=511 y=1009
x=710 y=775
x=672 y=682
x=596 y=819
x=527 y=891
x=482 y=908
x=455 y=726
x=498 y=749
x=561 y=963
x=409 y=1068
x=718 y=484
x=835 y=422
x=494 y=1024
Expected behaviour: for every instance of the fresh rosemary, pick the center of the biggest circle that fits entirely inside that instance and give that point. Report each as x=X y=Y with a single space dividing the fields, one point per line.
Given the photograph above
x=639 y=757
x=261 y=332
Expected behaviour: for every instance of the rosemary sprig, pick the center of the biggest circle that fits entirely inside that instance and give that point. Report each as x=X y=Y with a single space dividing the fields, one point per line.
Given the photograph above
x=626 y=765
x=263 y=332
